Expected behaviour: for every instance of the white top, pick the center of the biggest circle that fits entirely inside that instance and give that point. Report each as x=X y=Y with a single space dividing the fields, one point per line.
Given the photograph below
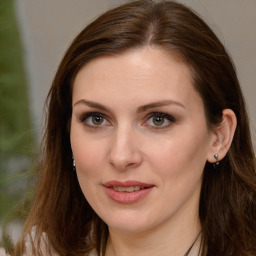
x=196 y=249
x=3 y=252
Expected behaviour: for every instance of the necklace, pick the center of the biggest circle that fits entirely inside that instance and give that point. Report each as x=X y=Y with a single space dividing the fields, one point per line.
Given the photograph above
x=187 y=252
x=189 y=249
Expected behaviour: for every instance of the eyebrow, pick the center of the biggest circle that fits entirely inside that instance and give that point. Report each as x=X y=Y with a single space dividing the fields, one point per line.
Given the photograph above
x=92 y=104
x=159 y=104
x=139 y=110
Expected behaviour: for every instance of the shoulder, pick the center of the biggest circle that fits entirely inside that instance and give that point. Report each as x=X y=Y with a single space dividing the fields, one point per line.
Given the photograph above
x=93 y=253
x=36 y=245
x=40 y=245
x=3 y=252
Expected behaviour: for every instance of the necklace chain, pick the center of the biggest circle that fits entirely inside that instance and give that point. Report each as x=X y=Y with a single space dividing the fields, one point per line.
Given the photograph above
x=190 y=248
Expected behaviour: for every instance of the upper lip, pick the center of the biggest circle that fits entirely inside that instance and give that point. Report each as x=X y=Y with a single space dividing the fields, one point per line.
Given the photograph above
x=128 y=183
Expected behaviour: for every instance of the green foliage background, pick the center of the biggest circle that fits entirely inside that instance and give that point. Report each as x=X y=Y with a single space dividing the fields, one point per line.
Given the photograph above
x=17 y=144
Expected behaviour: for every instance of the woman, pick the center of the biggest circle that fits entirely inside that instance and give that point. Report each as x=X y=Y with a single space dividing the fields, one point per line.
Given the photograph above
x=147 y=108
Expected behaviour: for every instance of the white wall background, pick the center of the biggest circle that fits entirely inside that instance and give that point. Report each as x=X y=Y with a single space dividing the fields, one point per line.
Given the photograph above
x=48 y=27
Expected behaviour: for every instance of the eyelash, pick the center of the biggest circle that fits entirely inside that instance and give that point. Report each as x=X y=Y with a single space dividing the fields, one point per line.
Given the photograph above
x=165 y=116
x=86 y=116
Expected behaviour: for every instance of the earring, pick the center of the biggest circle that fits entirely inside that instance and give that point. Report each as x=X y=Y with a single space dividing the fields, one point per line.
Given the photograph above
x=73 y=164
x=216 y=157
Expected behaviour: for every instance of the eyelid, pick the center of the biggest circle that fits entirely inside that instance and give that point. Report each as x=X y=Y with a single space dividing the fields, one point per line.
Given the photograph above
x=168 y=117
x=161 y=114
x=82 y=118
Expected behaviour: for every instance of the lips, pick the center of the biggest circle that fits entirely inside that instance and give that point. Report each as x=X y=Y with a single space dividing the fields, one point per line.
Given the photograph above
x=127 y=192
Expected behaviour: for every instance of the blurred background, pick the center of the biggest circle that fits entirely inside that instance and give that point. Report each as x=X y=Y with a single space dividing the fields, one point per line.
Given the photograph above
x=34 y=35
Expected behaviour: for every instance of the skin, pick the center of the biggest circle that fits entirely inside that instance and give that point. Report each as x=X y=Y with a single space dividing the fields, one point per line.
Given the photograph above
x=128 y=144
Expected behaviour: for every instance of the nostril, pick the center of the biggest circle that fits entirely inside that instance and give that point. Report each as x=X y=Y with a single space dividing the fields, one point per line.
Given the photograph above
x=123 y=161
x=124 y=151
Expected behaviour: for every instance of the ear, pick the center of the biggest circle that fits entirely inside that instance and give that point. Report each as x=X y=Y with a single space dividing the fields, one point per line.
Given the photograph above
x=222 y=136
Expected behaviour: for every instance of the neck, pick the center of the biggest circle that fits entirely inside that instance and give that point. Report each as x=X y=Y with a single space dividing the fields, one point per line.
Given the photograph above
x=171 y=238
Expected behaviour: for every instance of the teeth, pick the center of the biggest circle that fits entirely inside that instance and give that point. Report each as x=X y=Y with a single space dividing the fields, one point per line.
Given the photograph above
x=127 y=189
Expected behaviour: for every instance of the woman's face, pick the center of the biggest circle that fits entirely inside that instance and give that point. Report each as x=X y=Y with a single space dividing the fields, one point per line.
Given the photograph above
x=139 y=138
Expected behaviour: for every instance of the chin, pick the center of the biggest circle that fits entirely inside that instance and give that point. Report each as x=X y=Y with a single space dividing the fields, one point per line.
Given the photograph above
x=130 y=223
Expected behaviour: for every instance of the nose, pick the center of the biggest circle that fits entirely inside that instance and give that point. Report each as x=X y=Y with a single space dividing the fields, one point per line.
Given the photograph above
x=125 y=152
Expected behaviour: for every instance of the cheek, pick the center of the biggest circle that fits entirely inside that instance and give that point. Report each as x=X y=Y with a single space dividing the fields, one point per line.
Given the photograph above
x=180 y=154
x=89 y=157
x=88 y=152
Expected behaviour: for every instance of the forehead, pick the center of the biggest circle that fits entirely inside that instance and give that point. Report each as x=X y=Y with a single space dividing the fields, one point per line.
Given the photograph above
x=148 y=73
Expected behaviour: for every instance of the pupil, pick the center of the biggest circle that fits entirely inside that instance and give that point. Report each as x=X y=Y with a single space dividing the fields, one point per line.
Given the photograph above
x=158 y=120
x=97 y=120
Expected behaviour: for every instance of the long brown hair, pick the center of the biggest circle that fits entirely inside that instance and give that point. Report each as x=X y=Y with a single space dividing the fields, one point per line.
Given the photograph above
x=228 y=197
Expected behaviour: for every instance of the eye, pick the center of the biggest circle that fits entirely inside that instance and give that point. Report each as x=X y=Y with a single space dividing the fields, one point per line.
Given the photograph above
x=159 y=120
x=97 y=120
x=94 y=120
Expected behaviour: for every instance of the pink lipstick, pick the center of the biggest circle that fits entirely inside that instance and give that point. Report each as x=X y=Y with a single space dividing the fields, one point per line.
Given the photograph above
x=127 y=192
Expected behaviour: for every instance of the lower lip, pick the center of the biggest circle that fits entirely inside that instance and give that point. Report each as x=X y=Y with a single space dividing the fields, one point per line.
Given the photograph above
x=127 y=197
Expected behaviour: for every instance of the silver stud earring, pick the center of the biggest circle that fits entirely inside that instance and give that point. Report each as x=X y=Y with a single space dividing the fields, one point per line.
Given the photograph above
x=216 y=157
x=73 y=164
